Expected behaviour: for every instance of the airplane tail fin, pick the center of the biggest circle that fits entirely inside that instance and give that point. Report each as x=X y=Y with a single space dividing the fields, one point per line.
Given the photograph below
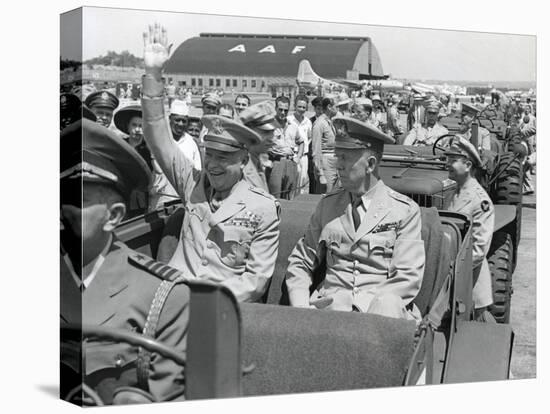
x=306 y=74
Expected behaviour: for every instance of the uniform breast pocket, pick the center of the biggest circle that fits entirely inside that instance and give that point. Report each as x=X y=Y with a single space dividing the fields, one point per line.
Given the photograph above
x=381 y=249
x=235 y=247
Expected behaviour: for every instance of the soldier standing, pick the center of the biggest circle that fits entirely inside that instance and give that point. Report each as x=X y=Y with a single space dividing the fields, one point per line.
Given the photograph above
x=230 y=231
x=368 y=235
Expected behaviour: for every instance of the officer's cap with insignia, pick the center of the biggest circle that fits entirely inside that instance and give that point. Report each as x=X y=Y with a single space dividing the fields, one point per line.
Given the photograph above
x=124 y=115
x=102 y=99
x=354 y=134
x=470 y=109
x=432 y=105
x=260 y=116
x=211 y=99
x=92 y=153
x=460 y=146
x=227 y=135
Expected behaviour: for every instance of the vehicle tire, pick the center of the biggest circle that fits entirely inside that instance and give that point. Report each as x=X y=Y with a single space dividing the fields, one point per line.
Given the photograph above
x=508 y=187
x=500 y=260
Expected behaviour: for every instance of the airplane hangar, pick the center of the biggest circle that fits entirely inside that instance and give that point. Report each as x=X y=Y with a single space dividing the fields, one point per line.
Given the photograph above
x=269 y=63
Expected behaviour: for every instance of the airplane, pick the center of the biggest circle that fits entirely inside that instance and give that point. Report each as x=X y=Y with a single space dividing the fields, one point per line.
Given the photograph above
x=307 y=78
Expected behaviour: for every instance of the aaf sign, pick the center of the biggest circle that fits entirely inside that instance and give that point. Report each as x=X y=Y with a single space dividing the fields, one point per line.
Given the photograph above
x=268 y=49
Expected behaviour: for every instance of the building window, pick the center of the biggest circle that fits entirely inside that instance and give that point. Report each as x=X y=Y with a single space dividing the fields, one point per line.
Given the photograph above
x=200 y=82
x=253 y=83
x=263 y=84
x=182 y=83
x=211 y=82
x=193 y=82
x=228 y=83
x=218 y=83
x=245 y=83
x=234 y=83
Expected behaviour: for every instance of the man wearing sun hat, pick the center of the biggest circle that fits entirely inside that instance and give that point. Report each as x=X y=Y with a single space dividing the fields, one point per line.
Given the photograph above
x=105 y=283
x=259 y=117
x=427 y=134
x=471 y=199
x=230 y=231
x=103 y=104
x=368 y=235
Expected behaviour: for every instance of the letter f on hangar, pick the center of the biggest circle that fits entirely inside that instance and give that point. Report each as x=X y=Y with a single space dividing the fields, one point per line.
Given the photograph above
x=297 y=49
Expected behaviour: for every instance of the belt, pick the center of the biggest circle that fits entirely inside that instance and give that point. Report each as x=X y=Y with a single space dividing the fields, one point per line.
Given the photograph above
x=274 y=157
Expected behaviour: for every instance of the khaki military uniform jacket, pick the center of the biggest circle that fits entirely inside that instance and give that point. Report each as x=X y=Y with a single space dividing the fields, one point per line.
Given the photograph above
x=484 y=138
x=120 y=296
x=385 y=254
x=236 y=245
x=473 y=201
x=425 y=135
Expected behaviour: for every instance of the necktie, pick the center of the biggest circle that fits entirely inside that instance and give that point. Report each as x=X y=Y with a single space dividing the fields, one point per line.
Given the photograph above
x=356 y=203
x=215 y=202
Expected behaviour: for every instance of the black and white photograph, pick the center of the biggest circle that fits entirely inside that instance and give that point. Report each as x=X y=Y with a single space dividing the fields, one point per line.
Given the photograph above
x=255 y=207
x=290 y=207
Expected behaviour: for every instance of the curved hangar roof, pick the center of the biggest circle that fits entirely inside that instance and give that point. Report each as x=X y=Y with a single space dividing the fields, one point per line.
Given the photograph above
x=273 y=55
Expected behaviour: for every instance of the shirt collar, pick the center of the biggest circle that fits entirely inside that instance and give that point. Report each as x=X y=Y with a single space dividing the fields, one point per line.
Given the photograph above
x=90 y=270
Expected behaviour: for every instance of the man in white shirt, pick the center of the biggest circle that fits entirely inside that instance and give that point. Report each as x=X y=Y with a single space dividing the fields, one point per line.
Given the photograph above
x=161 y=191
x=303 y=125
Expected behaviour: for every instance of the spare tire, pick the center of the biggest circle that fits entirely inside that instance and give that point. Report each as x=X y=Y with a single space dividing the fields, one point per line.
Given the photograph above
x=500 y=260
x=508 y=186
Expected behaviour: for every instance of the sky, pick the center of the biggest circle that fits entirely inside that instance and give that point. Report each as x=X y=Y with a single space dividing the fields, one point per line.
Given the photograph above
x=404 y=52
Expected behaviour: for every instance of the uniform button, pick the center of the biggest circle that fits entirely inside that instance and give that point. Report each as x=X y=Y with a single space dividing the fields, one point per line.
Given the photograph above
x=119 y=360
x=205 y=262
x=209 y=244
x=355 y=289
x=355 y=262
x=356 y=272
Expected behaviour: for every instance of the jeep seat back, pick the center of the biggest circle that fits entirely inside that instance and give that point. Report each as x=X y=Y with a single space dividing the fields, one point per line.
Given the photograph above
x=293 y=350
x=295 y=216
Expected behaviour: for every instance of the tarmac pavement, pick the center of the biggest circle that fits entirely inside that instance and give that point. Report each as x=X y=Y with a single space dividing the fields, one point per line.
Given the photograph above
x=523 y=308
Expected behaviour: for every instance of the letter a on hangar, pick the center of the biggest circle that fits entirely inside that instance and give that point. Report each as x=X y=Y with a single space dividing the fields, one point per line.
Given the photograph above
x=238 y=48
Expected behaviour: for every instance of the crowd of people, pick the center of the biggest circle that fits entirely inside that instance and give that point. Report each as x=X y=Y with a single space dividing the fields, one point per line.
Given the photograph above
x=228 y=169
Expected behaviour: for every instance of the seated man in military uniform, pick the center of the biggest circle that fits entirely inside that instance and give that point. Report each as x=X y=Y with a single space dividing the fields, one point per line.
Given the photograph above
x=468 y=116
x=471 y=199
x=106 y=284
x=230 y=231
x=367 y=235
x=427 y=134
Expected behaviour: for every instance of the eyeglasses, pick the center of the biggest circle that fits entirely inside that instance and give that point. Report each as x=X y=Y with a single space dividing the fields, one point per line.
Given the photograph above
x=282 y=110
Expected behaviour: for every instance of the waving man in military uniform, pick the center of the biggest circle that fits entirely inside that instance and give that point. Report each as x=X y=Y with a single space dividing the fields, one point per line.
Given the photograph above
x=106 y=284
x=368 y=235
x=230 y=232
x=471 y=199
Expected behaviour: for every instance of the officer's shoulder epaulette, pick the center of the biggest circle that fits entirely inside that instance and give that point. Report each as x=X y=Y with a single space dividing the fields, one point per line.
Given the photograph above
x=157 y=269
x=334 y=192
x=400 y=197
x=261 y=192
